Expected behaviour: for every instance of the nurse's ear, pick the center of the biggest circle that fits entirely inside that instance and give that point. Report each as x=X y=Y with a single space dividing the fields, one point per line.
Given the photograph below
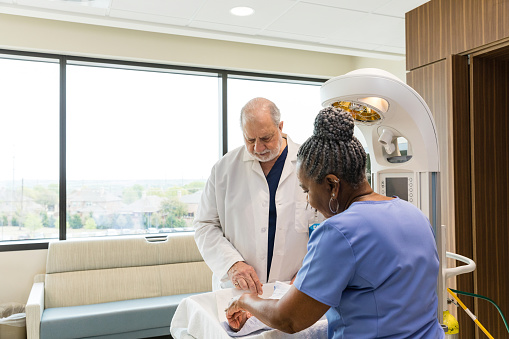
x=333 y=184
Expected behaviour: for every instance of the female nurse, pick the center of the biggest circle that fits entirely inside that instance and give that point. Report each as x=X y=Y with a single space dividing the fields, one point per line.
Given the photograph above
x=371 y=266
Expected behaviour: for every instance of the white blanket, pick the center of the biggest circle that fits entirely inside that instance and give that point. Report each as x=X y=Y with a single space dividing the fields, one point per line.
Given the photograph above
x=201 y=317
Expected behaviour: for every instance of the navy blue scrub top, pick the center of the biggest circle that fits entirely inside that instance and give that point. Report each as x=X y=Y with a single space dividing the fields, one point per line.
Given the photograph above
x=273 y=181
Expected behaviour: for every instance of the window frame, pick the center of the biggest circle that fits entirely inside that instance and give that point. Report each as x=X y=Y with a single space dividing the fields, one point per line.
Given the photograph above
x=64 y=60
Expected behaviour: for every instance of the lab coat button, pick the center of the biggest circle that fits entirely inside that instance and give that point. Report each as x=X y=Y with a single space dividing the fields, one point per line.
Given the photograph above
x=264 y=229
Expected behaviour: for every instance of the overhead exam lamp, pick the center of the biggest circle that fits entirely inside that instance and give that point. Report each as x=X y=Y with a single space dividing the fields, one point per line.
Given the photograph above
x=402 y=143
x=400 y=133
x=385 y=109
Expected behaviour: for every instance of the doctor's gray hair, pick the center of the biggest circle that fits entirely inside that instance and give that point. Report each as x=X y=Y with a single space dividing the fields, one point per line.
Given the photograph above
x=246 y=113
x=333 y=149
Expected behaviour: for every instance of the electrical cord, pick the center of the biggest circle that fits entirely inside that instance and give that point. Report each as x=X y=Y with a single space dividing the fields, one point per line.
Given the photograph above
x=470 y=314
x=485 y=298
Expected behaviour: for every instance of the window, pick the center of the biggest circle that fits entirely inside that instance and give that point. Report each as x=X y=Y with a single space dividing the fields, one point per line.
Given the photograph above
x=29 y=149
x=140 y=141
x=140 y=146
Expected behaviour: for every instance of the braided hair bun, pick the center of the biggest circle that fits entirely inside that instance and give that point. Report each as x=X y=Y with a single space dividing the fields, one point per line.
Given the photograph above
x=333 y=149
x=334 y=124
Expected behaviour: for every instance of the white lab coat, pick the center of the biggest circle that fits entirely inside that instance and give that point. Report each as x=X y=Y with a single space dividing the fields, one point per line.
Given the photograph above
x=231 y=222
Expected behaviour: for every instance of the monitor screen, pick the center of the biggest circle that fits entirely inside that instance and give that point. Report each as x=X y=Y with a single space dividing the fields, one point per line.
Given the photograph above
x=398 y=187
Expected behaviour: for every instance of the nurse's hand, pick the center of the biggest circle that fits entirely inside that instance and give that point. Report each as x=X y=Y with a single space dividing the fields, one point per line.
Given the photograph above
x=244 y=277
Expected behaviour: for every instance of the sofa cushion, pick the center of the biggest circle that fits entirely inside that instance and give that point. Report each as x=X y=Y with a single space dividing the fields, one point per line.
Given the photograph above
x=95 y=254
x=111 y=319
x=101 y=286
x=117 y=284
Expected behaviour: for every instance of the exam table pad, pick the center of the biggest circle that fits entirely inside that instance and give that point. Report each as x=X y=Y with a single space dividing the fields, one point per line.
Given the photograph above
x=201 y=316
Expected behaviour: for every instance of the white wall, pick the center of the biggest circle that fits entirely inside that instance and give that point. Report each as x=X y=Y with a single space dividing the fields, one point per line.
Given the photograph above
x=18 y=268
x=17 y=271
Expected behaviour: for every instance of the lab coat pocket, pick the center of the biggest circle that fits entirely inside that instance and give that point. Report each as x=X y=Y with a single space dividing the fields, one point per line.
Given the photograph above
x=301 y=218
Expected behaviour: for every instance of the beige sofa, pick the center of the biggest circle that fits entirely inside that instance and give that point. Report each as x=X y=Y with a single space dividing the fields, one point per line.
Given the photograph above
x=114 y=288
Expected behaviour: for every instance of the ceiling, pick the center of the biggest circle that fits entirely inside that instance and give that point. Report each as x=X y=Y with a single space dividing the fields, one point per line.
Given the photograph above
x=370 y=28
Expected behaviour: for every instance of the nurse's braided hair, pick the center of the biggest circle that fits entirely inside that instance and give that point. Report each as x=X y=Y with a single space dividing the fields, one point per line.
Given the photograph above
x=333 y=149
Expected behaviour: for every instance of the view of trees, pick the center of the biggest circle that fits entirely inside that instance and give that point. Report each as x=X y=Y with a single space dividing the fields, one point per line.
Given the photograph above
x=131 y=194
x=124 y=210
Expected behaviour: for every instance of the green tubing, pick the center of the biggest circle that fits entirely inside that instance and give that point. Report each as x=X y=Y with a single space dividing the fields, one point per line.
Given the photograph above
x=485 y=298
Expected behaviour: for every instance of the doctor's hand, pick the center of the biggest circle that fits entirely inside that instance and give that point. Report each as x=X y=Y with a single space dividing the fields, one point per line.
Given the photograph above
x=244 y=277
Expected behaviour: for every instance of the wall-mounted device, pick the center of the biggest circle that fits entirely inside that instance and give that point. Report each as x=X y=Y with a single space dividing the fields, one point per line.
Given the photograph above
x=402 y=143
x=399 y=130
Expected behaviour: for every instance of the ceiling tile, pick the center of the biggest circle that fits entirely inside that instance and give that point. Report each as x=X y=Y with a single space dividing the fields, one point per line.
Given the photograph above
x=224 y=28
x=161 y=19
x=97 y=7
x=375 y=29
x=358 y=5
x=315 y=20
x=395 y=40
x=266 y=11
x=399 y=7
x=170 y=8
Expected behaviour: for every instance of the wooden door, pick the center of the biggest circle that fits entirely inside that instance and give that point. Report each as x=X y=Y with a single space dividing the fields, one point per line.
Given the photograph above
x=489 y=97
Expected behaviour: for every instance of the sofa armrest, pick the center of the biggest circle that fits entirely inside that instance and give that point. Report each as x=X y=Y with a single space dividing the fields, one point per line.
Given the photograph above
x=34 y=309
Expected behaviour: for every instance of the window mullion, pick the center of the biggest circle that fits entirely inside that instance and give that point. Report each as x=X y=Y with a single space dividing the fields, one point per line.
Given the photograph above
x=62 y=213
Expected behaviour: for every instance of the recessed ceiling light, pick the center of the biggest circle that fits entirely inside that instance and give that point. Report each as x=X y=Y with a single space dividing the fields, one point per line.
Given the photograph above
x=242 y=11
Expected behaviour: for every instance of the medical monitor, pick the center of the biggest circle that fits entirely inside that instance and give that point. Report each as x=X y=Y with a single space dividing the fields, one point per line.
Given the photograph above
x=397 y=187
x=398 y=184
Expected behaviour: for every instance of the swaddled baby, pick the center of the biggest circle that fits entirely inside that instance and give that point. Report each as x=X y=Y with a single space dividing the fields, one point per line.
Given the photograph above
x=245 y=323
x=237 y=323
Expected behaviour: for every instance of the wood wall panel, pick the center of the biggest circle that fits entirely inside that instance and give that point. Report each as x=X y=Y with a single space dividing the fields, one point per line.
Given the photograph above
x=459 y=142
x=444 y=87
x=443 y=27
x=424 y=33
x=490 y=162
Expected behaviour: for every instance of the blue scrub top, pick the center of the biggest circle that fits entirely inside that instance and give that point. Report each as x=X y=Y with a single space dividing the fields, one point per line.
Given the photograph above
x=273 y=182
x=376 y=265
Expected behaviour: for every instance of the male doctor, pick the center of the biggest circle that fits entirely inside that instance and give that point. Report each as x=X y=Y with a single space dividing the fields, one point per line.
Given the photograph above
x=252 y=223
